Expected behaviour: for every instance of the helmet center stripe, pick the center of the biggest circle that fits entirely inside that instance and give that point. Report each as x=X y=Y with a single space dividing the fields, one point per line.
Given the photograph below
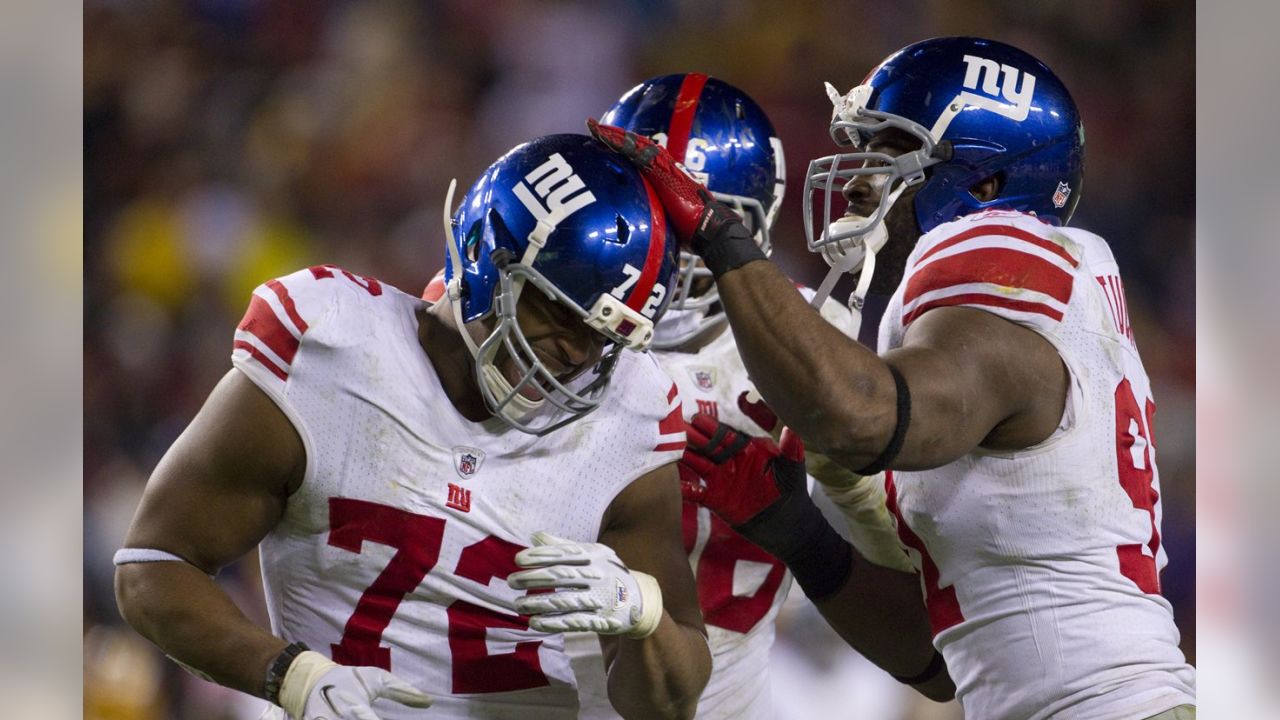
x=682 y=114
x=653 y=260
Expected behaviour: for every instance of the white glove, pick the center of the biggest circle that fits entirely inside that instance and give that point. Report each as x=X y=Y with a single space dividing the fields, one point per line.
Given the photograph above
x=861 y=499
x=316 y=688
x=594 y=590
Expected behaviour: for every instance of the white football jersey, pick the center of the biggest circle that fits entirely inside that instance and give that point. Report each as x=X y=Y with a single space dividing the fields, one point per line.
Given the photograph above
x=741 y=588
x=395 y=550
x=1041 y=566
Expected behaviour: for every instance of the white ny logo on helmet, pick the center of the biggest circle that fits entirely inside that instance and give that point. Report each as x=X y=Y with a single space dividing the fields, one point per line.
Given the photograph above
x=983 y=74
x=556 y=184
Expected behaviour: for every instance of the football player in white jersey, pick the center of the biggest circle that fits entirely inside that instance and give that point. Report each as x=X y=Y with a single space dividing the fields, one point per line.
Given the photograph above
x=440 y=491
x=726 y=141
x=1010 y=401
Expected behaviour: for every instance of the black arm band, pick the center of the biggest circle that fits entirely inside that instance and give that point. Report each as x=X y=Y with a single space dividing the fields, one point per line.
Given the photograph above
x=936 y=665
x=795 y=532
x=899 y=429
x=731 y=246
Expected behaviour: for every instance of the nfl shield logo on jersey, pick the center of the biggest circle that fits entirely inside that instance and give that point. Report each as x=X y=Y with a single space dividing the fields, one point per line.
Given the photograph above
x=1060 y=197
x=466 y=460
x=704 y=379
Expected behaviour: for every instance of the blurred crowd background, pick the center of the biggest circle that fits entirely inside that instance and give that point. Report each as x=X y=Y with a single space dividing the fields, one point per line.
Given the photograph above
x=230 y=141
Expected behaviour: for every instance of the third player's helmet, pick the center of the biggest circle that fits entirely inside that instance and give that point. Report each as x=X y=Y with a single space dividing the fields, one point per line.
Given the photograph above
x=980 y=108
x=726 y=141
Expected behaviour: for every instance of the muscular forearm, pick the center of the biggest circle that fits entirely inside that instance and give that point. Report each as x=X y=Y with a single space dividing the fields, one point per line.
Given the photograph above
x=880 y=614
x=837 y=394
x=661 y=676
x=185 y=613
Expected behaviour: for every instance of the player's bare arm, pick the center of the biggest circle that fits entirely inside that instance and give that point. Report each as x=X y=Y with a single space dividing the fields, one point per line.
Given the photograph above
x=664 y=674
x=218 y=491
x=878 y=612
x=974 y=379
x=213 y=497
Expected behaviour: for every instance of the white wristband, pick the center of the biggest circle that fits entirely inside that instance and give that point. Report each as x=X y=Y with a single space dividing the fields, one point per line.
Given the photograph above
x=125 y=556
x=302 y=675
x=130 y=556
x=650 y=606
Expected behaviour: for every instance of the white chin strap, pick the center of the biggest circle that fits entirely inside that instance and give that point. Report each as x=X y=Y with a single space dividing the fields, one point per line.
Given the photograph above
x=518 y=406
x=851 y=255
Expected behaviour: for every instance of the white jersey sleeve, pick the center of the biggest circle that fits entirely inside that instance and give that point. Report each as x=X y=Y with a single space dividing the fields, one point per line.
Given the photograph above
x=280 y=314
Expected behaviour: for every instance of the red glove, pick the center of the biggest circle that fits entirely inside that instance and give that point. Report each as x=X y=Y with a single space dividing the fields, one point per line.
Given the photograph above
x=760 y=489
x=703 y=224
x=735 y=475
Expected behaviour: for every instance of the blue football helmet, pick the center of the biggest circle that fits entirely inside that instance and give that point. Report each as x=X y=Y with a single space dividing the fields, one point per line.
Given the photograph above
x=980 y=108
x=725 y=140
x=571 y=218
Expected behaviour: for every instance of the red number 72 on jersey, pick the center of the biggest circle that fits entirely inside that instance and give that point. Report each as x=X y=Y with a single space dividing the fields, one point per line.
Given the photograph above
x=417 y=540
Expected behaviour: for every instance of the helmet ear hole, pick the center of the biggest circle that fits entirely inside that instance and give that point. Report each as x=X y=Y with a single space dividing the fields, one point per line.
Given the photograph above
x=471 y=244
x=988 y=188
x=502 y=237
x=624 y=231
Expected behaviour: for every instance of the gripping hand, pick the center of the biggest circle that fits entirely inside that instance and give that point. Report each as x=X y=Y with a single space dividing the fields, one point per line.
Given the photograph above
x=737 y=476
x=703 y=224
x=316 y=688
x=759 y=488
x=594 y=590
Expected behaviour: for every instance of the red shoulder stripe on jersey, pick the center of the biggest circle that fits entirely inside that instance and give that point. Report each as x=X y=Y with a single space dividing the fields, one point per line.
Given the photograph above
x=256 y=354
x=983 y=299
x=639 y=296
x=671 y=394
x=289 y=307
x=1003 y=231
x=682 y=115
x=675 y=446
x=261 y=322
x=999 y=266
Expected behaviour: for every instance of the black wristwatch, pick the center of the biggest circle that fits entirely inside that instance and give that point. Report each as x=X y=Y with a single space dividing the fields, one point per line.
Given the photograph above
x=278 y=668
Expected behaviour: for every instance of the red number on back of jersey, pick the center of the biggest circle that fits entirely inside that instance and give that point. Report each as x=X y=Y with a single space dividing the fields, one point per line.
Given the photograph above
x=371 y=286
x=1135 y=460
x=721 y=559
